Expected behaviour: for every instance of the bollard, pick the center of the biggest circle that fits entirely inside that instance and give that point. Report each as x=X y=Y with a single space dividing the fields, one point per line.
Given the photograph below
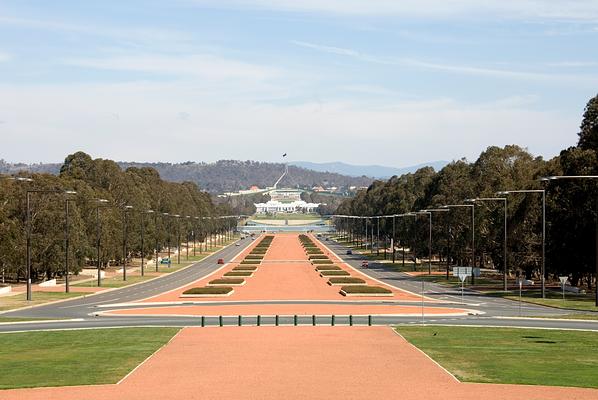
x=351 y=320
x=240 y=321
x=276 y=320
x=369 y=320
x=203 y=321
x=259 y=320
x=220 y=320
x=332 y=320
x=295 y=320
x=313 y=320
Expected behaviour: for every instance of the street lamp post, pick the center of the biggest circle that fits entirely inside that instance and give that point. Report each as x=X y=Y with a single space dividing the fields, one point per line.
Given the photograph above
x=125 y=235
x=429 y=213
x=187 y=217
x=543 y=193
x=142 y=239
x=505 y=263
x=550 y=178
x=67 y=287
x=99 y=237
x=472 y=235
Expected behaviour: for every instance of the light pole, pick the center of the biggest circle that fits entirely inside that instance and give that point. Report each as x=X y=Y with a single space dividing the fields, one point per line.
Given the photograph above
x=157 y=238
x=551 y=178
x=142 y=239
x=429 y=213
x=169 y=234
x=472 y=235
x=505 y=263
x=99 y=236
x=543 y=193
x=188 y=218
x=125 y=234
x=67 y=287
x=178 y=244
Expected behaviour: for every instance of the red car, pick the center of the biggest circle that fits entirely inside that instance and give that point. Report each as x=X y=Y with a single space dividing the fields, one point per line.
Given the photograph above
x=220 y=261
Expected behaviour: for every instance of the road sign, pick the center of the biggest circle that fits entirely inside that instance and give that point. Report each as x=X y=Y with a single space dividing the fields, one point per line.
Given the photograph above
x=466 y=270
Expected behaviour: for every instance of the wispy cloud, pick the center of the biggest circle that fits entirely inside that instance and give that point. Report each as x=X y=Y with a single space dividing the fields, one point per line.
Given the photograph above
x=451 y=68
x=586 y=10
x=199 y=65
x=5 y=57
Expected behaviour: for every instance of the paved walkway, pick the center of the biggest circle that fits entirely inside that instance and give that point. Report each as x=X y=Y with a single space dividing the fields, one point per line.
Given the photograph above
x=293 y=363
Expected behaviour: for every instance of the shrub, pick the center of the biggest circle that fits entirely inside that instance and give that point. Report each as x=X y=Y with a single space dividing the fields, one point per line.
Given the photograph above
x=343 y=280
x=238 y=273
x=250 y=262
x=225 y=281
x=366 y=289
x=334 y=273
x=254 y=257
x=328 y=268
x=318 y=257
x=209 y=290
x=322 y=261
x=245 y=268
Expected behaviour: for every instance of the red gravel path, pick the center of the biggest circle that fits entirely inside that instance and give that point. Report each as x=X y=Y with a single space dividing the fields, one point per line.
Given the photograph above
x=272 y=363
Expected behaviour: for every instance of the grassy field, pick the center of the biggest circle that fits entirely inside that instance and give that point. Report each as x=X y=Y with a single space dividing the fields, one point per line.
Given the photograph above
x=503 y=355
x=77 y=357
x=553 y=299
x=20 y=300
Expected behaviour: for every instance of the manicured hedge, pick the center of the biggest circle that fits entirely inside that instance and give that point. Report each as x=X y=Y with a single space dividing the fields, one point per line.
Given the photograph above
x=334 y=273
x=365 y=289
x=318 y=257
x=254 y=257
x=328 y=268
x=238 y=273
x=227 y=281
x=250 y=262
x=345 y=280
x=209 y=290
x=245 y=268
x=322 y=261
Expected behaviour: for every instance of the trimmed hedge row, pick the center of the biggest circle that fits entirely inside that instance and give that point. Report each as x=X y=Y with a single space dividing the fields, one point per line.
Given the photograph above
x=238 y=273
x=334 y=273
x=245 y=268
x=346 y=280
x=225 y=281
x=328 y=268
x=209 y=290
x=365 y=289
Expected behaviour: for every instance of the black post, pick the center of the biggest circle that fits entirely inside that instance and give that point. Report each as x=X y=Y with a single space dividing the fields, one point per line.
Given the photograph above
x=66 y=246
x=99 y=238
x=28 y=272
x=142 y=253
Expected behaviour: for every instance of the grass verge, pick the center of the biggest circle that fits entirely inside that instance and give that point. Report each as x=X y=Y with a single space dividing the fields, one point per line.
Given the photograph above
x=515 y=356
x=78 y=357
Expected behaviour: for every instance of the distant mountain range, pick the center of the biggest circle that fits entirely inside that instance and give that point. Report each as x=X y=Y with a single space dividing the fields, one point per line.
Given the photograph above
x=374 y=171
x=232 y=175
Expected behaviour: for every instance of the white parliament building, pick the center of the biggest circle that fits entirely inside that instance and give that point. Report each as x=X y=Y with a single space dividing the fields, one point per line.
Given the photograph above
x=285 y=201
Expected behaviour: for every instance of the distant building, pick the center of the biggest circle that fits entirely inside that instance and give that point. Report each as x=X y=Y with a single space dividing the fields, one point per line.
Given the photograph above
x=285 y=201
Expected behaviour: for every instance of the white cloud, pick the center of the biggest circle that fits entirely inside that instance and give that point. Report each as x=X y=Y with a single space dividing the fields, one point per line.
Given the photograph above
x=459 y=69
x=521 y=9
x=47 y=122
x=199 y=65
x=5 y=57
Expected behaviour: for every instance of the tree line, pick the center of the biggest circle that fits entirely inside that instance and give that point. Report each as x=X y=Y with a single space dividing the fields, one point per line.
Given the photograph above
x=93 y=179
x=571 y=208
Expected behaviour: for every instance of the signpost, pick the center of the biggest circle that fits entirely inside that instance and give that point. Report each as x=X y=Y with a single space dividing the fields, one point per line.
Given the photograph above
x=462 y=277
x=520 y=286
x=563 y=280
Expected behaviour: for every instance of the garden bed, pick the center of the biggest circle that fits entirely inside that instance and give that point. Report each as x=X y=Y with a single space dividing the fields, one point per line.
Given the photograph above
x=254 y=257
x=350 y=281
x=318 y=257
x=209 y=291
x=238 y=273
x=250 y=262
x=322 y=262
x=364 y=290
x=334 y=273
x=328 y=268
x=245 y=268
x=227 y=282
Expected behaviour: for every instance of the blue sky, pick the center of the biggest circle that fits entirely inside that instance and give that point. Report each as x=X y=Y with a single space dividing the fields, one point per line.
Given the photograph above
x=380 y=81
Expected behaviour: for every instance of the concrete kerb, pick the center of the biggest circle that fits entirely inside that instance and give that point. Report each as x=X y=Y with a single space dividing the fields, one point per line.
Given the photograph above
x=111 y=289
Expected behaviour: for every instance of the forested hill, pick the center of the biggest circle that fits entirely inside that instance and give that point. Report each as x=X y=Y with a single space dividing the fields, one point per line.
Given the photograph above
x=223 y=176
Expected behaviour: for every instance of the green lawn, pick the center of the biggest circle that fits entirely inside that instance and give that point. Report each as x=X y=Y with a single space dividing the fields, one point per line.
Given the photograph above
x=10 y=319
x=20 y=300
x=583 y=316
x=115 y=281
x=77 y=357
x=553 y=299
x=516 y=356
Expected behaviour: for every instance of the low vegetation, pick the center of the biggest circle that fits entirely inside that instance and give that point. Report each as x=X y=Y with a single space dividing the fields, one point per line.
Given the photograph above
x=227 y=281
x=244 y=268
x=209 y=290
x=347 y=281
x=75 y=357
x=365 y=290
x=321 y=261
x=334 y=273
x=238 y=273
x=328 y=268
x=20 y=300
x=250 y=262
x=512 y=356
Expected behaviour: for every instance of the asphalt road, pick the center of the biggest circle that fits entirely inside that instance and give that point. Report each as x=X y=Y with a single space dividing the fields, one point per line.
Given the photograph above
x=81 y=311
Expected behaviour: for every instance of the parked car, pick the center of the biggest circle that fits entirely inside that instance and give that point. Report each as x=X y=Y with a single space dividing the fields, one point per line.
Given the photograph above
x=165 y=261
x=349 y=252
x=220 y=261
x=364 y=264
